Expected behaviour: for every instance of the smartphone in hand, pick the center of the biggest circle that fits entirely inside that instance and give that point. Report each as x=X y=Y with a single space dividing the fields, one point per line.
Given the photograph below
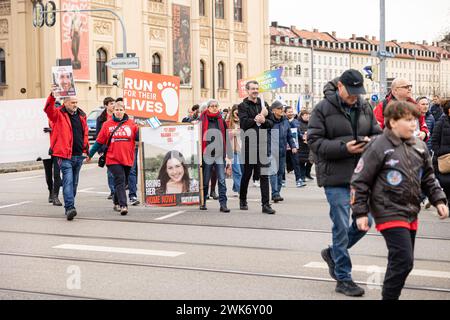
x=361 y=143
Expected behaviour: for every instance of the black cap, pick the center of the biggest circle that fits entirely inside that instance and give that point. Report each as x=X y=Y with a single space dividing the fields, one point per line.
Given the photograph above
x=276 y=105
x=353 y=81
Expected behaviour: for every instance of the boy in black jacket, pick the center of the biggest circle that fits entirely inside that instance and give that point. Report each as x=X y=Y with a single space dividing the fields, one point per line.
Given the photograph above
x=388 y=182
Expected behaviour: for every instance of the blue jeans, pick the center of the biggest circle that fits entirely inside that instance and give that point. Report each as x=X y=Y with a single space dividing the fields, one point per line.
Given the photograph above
x=276 y=179
x=70 y=170
x=220 y=171
x=237 y=172
x=110 y=181
x=345 y=236
x=132 y=178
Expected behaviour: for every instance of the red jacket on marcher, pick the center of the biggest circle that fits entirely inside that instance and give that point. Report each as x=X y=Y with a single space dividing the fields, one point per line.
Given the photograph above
x=61 y=139
x=379 y=115
x=121 y=149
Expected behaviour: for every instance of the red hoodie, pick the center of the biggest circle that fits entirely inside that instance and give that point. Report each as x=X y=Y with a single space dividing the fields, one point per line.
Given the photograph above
x=121 y=149
x=61 y=138
x=379 y=115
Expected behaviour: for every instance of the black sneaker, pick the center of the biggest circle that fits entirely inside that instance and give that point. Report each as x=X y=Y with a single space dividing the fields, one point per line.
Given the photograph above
x=277 y=199
x=243 y=205
x=326 y=256
x=50 y=198
x=56 y=202
x=214 y=195
x=224 y=209
x=349 y=288
x=111 y=195
x=70 y=214
x=203 y=207
x=267 y=209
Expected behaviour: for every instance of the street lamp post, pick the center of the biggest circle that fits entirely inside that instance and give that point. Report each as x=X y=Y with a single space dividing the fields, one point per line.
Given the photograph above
x=312 y=74
x=213 y=48
x=383 y=82
x=415 y=69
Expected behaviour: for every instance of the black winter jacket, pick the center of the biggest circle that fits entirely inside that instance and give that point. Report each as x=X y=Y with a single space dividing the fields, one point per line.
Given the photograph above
x=329 y=131
x=303 y=151
x=441 y=145
x=247 y=111
x=390 y=177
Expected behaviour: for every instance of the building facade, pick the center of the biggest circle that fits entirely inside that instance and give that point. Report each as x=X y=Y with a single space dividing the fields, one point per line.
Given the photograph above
x=426 y=66
x=294 y=56
x=228 y=39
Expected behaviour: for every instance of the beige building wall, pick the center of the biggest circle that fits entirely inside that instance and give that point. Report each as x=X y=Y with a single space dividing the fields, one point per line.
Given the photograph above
x=30 y=52
x=327 y=66
x=424 y=75
x=298 y=85
x=445 y=78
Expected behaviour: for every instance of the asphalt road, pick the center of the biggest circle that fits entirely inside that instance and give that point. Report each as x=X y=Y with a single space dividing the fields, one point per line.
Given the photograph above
x=152 y=254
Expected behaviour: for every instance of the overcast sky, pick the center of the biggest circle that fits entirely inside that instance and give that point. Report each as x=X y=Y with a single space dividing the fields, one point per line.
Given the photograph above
x=406 y=20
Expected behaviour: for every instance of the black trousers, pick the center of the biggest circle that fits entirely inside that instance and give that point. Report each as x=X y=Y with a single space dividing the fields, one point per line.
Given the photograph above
x=120 y=174
x=400 y=243
x=52 y=175
x=250 y=169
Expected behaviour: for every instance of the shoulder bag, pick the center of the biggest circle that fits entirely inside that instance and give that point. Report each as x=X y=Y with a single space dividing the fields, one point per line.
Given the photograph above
x=102 y=159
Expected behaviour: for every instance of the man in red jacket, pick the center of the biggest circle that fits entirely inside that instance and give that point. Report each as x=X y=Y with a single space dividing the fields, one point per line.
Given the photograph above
x=69 y=145
x=401 y=91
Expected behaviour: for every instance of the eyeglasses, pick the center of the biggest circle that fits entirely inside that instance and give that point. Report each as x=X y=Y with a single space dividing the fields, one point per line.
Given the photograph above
x=406 y=87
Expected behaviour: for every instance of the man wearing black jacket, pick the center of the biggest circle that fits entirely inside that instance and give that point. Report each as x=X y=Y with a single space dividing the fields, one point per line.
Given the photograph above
x=252 y=119
x=338 y=130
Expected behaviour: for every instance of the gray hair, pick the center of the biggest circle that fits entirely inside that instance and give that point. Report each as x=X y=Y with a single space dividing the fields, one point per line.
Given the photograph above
x=203 y=107
x=211 y=101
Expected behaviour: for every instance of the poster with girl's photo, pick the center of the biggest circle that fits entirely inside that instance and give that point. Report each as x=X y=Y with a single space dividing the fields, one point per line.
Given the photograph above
x=62 y=80
x=171 y=160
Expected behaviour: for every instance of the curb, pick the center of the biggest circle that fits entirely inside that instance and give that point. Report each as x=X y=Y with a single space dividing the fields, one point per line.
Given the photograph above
x=21 y=169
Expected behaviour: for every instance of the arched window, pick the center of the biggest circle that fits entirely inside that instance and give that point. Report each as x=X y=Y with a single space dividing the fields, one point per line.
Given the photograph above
x=220 y=9
x=201 y=7
x=238 y=10
x=239 y=71
x=156 y=63
x=2 y=67
x=202 y=74
x=221 y=72
x=102 y=71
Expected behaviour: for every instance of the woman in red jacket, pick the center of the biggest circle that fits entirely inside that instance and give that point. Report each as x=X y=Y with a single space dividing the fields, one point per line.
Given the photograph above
x=120 y=154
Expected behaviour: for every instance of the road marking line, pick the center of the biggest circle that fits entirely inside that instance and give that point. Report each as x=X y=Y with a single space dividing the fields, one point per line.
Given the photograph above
x=170 y=215
x=171 y=254
x=15 y=204
x=88 y=190
x=378 y=269
x=25 y=178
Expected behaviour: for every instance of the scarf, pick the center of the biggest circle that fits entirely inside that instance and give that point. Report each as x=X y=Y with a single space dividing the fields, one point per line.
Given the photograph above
x=206 y=115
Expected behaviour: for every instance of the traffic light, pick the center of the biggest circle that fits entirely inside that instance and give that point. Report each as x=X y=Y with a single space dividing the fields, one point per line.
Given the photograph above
x=44 y=14
x=118 y=80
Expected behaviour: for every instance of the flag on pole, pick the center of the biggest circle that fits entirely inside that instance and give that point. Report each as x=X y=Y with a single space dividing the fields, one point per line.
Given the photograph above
x=280 y=98
x=154 y=122
x=299 y=104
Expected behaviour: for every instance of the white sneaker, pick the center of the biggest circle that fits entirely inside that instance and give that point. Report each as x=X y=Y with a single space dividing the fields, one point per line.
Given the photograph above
x=134 y=201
